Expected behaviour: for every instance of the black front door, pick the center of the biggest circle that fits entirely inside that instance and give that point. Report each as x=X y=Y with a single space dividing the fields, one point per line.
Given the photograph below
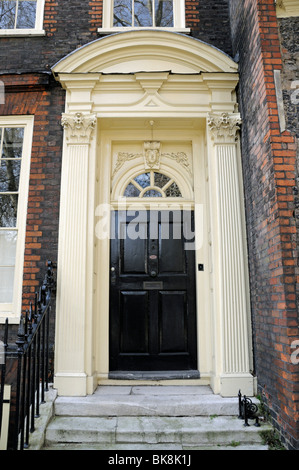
x=152 y=292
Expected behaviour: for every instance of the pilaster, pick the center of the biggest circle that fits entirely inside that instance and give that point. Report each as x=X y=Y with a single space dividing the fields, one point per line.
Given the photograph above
x=70 y=367
x=232 y=316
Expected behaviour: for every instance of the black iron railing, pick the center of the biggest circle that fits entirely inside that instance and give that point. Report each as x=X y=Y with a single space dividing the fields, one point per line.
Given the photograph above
x=31 y=365
x=3 y=350
x=247 y=410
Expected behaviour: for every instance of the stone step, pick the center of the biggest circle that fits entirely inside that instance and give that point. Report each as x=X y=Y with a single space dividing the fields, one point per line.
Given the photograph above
x=145 y=432
x=148 y=401
x=153 y=448
x=150 y=417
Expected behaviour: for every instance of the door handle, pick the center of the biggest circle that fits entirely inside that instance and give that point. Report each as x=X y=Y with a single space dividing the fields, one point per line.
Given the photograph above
x=112 y=269
x=153 y=273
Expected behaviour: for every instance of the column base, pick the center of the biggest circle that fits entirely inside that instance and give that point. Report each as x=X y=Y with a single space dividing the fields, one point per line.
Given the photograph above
x=71 y=384
x=230 y=384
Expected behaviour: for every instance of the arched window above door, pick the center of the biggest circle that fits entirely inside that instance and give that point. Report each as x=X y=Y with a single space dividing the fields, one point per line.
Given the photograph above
x=152 y=184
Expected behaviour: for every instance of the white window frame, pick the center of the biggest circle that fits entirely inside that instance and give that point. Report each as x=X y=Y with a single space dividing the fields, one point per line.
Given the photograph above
x=178 y=20
x=12 y=311
x=39 y=23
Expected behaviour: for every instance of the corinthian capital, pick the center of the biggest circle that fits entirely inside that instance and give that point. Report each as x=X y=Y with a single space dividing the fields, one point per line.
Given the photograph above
x=78 y=127
x=224 y=127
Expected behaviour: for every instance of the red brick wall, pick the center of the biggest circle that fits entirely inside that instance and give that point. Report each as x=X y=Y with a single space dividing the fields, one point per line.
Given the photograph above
x=95 y=12
x=40 y=96
x=50 y=21
x=269 y=160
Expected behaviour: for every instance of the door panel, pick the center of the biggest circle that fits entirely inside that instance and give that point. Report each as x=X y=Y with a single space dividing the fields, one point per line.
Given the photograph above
x=168 y=263
x=152 y=294
x=134 y=322
x=173 y=322
x=132 y=256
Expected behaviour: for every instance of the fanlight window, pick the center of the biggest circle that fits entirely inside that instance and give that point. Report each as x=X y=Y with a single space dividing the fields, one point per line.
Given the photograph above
x=140 y=13
x=152 y=184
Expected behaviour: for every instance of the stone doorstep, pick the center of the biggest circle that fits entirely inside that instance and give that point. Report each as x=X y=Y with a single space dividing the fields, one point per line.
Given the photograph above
x=148 y=401
x=114 y=413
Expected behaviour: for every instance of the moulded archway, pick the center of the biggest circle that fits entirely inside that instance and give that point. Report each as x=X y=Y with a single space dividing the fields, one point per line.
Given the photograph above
x=146 y=51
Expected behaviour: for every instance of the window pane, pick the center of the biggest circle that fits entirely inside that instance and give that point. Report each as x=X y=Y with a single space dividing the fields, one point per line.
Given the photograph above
x=144 y=10
x=152 y=193
x=131 y=191
x=7 y=14
x=6 y=284
x=173 y=191
x=155 y=182
x=8 y=210
x=122 y=14
x=26 y=14
x=8 y=244
x=161 y=180
x=143 y=15
x=13 y=142
x=164 y=13
x=10 y=175
x=143 y=180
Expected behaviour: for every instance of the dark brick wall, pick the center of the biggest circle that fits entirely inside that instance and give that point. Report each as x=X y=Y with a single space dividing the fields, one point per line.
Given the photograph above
x=68 y=25
x=75 y=24
x=209 y=21
x=269 y=161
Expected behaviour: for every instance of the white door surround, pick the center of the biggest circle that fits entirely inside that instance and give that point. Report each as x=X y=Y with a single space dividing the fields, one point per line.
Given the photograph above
x=115 y=87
